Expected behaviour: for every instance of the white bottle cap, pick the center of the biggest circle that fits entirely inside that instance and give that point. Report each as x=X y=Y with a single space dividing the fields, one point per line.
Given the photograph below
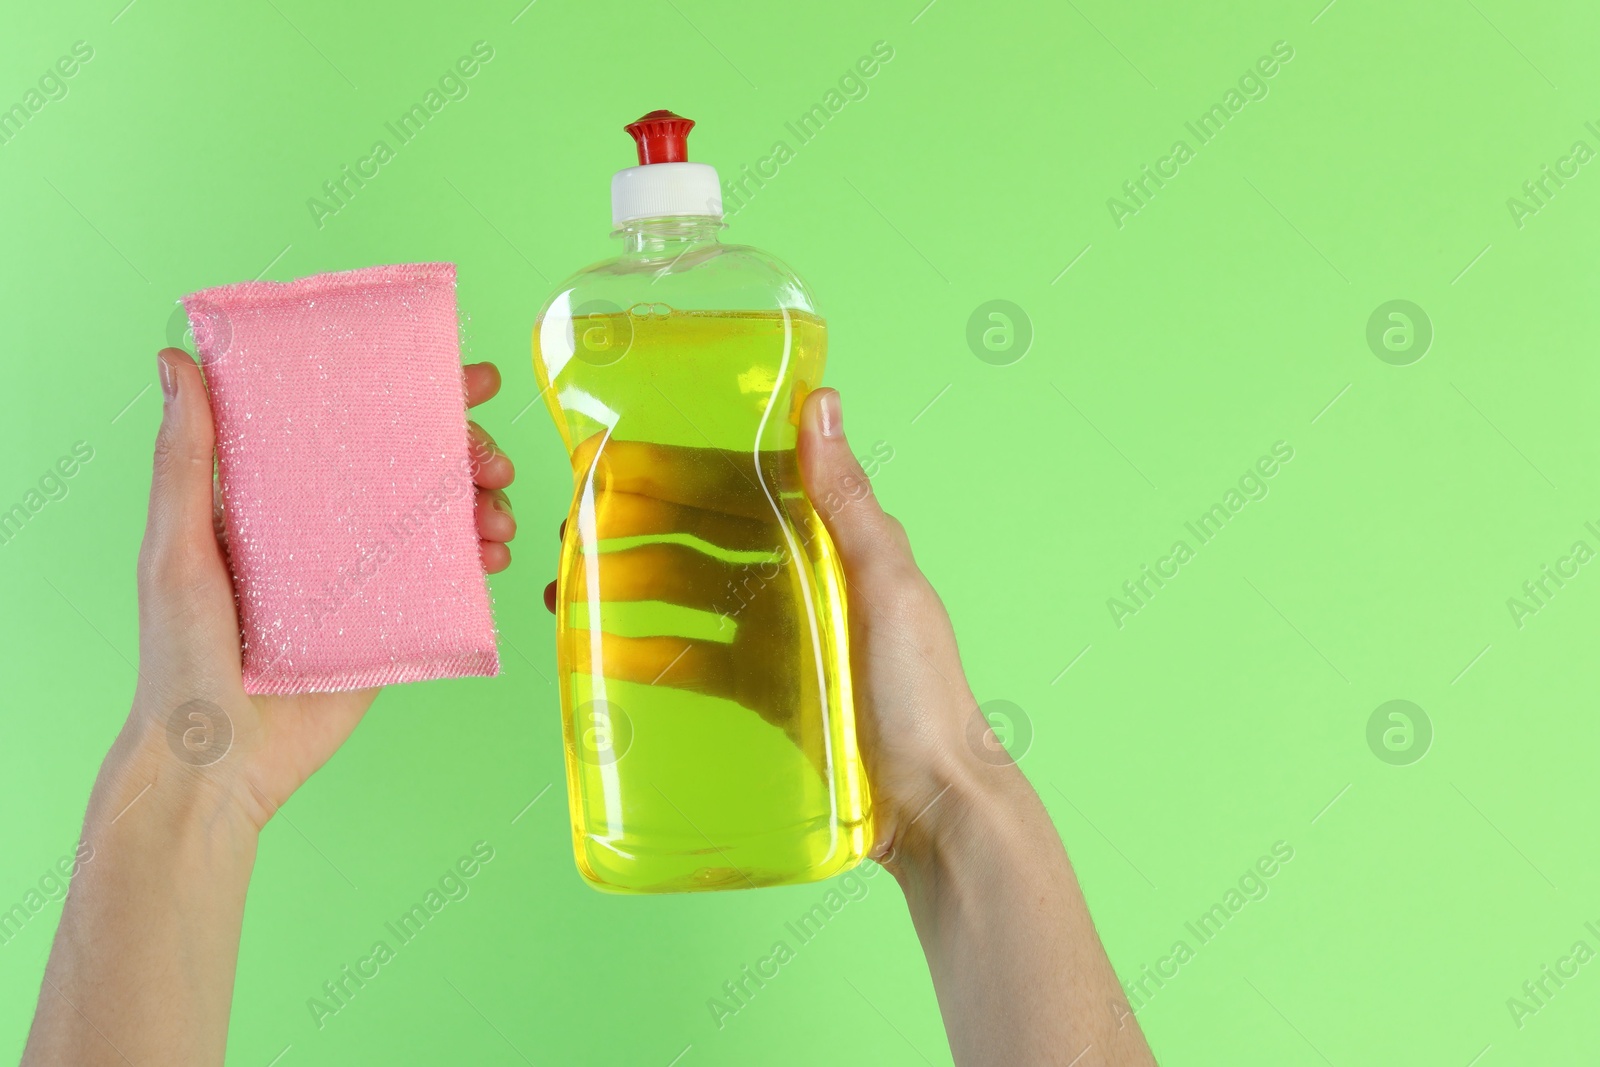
x=659 y=189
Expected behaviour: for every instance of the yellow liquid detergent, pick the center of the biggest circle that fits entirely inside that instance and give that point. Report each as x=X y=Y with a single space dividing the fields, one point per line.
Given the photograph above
x=702 y=646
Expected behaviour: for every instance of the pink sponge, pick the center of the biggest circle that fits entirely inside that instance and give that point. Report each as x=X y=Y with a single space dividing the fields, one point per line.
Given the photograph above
x=346 y=477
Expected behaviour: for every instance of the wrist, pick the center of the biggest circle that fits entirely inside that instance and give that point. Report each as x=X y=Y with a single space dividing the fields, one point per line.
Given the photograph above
x=149 y=935
x=154 y=784
x=975 y=804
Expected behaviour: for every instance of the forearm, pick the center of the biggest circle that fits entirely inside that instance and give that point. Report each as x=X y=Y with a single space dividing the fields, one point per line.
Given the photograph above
x=1020 y=973
x=143 y=962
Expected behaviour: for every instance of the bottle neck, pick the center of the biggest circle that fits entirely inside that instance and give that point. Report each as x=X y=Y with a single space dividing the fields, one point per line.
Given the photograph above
x=671 y=236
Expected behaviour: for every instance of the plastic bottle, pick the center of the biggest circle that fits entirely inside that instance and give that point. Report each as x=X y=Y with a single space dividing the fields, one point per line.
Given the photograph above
x=701 y=639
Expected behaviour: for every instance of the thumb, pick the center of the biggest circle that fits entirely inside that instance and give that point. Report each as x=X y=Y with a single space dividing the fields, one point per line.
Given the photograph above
x=180 y=536
x=865 y=535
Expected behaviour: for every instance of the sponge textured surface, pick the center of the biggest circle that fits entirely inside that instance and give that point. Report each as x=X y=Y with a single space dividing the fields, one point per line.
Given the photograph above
x=346 y=478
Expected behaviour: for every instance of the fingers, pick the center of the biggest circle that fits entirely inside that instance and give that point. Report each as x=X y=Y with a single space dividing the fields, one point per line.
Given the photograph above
x=482 y=382
x=867 y=538
x=495 y=519
x=674 y=574
x=492 y=471
x=180 y=534
x=717 y=479
x=491 y=468
x=619 y=514
x=677 y=662
x=496 y=556
x=496 y=526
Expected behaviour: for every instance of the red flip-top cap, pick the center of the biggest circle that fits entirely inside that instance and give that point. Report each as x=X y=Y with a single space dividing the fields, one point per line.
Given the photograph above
x=662 y=137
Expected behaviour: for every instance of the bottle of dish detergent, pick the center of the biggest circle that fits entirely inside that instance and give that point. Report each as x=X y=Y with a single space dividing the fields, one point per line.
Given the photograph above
x=700 y=612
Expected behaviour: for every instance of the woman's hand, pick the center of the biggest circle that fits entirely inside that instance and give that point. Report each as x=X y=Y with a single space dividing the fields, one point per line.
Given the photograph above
x=189 y=690
x=1018 y=968
x=916 y=716
x=914 y=712
x=143 y=963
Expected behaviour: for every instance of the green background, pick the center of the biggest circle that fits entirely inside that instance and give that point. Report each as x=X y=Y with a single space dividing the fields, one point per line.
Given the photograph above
x=1228 y=314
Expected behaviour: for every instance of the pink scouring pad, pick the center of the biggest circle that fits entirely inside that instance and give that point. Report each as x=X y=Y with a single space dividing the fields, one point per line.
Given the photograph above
x=346 y=478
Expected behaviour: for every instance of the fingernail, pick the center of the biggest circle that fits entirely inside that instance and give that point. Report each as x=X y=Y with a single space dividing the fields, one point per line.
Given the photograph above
x=502 y=505
x=169 y=378
x=832 y=414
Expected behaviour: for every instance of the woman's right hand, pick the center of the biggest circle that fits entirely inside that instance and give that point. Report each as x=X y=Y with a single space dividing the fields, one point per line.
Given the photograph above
x=920 y=727
x=918 y=723
x=1015 y=960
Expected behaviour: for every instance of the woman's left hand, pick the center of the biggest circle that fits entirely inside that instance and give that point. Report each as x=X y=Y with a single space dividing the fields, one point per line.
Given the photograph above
x=190 y=684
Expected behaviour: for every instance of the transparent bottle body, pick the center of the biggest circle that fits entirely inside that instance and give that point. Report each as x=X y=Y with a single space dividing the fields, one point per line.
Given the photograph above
x=701 y=637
